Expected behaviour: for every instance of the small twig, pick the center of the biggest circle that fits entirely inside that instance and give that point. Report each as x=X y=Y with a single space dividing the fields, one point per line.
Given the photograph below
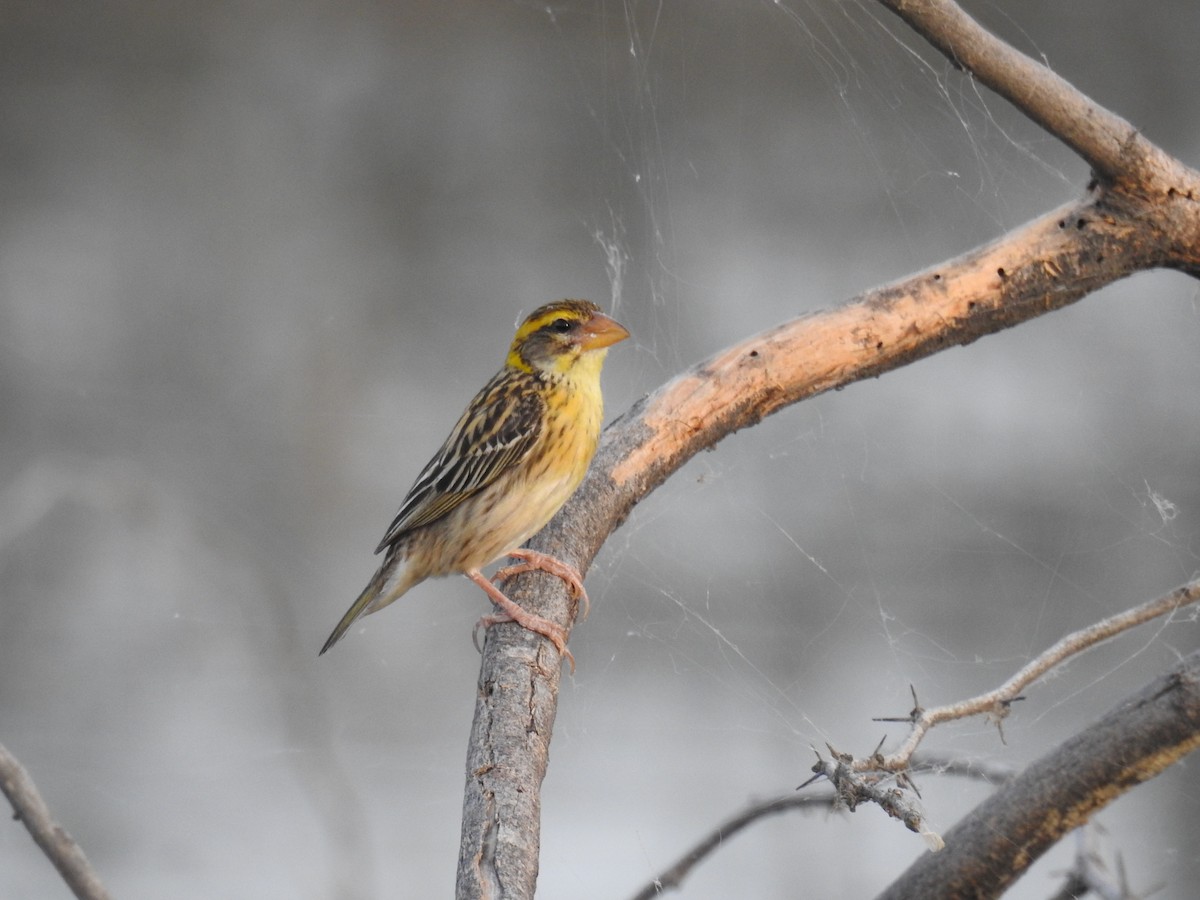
x=672 y=877
x=852 y=787
x=996 y=703
x=30 y=808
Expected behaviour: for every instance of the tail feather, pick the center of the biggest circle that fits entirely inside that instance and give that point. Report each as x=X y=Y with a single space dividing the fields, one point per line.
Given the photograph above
x=385 y=586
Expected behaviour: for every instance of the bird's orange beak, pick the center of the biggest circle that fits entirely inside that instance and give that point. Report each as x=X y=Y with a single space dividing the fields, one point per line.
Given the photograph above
x=601 y=331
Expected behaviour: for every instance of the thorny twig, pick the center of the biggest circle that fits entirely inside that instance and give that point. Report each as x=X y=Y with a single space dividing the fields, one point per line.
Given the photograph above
x=859 y=779
x=996 y=703
x=672 y=877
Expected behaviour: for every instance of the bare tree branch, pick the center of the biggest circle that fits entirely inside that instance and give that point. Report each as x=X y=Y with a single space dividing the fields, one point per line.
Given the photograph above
x=998 y=840
x=862 y=780
x=673 y=876
x=1140 y=214
x=996 y=703
x=30 y=808
x=1113 y=148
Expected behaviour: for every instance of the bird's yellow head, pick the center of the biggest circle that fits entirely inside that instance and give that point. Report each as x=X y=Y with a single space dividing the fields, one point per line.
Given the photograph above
x=557 y=337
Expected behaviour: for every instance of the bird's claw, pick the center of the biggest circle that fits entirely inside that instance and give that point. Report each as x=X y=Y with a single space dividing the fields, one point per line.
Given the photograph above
x=536 y=624
x=510 y=611
x=533 y=561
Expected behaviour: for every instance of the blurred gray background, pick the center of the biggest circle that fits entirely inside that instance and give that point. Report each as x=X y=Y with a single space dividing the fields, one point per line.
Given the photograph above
x=255 y=258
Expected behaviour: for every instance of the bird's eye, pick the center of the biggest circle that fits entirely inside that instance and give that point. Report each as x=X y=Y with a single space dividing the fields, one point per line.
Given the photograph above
x=562 y=326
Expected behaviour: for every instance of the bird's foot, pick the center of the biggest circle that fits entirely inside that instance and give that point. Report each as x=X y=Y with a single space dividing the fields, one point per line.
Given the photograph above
x=509 y=611
x=533 y=561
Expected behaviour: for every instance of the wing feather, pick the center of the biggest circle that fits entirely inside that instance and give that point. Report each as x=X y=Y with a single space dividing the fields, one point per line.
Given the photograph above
x=497 y=431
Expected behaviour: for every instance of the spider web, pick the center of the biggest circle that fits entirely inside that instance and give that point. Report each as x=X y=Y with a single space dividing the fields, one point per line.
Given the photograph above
x=255 y=262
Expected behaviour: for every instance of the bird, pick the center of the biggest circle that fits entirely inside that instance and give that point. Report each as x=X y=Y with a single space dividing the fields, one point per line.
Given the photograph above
x=515 y=456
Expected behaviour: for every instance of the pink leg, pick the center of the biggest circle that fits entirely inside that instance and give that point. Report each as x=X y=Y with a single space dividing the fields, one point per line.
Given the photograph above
x=514 y=612
x=534 y=561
